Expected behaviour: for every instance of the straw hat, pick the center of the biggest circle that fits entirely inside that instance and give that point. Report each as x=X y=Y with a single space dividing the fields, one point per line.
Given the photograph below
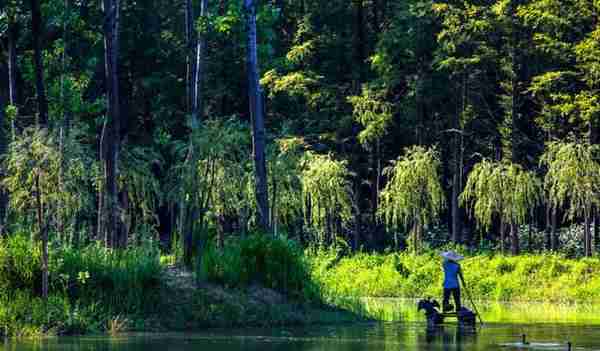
x=452 y=256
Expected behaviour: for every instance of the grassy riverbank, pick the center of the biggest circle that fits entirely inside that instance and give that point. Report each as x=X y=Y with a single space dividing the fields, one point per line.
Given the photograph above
x=547 y=278
x=257 y=281
x=254 y=282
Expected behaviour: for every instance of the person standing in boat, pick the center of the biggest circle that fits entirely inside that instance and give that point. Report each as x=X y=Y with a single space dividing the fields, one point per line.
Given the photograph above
x=452 y=272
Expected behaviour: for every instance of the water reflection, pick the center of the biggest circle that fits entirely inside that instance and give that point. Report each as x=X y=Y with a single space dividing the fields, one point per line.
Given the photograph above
x=367 y=337
x=446 y=337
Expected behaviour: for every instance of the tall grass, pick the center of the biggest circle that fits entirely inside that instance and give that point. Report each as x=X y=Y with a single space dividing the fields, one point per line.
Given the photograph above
x=550 y=278
x=87 y=286
x=275 y=263
x=127 y=281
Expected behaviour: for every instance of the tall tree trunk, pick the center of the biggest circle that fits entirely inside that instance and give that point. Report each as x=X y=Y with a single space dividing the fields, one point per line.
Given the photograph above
x=529 y=238
x=12 y=61
x=514 y=82
x=502 y=239
x=548 y=230
x=190 y=57
x=274 y=206
x=457 y=166
x=514 y=239
x=101 y=217
x=42 y=121
x=456 y=230
x=112 y=137
x=3 y=144
x=36 y=28
x=359 y=43
x=43 y=234
x=375 y=23
x=587 y=234
x=596 y=230
x=377 y=185
x=258 y=123
x=198 y=76
x=554 y=230
x=196 y=91
x=65 y=125
x=12 y=67
x=595 y=139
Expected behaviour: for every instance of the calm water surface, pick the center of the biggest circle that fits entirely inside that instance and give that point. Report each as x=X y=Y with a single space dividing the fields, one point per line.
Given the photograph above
x=547 y=326
x=364 y=336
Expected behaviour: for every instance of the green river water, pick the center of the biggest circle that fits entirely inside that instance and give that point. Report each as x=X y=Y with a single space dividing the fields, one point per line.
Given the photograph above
x=547 y=327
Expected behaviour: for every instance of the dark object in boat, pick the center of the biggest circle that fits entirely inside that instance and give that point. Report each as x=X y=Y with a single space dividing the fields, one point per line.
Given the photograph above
x=464 y=316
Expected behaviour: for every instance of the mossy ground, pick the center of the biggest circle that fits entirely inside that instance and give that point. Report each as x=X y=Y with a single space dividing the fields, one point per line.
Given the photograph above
x=191 y=307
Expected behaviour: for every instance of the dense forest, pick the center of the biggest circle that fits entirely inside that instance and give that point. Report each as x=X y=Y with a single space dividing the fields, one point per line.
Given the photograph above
x=381 y=123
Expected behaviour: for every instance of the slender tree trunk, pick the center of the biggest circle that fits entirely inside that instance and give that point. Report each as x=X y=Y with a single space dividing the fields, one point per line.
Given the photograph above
x=198 y=76
x=12 y=62
x=43 y=235
x=455 y=209
x=596 y=229
x=514 y=84
x=502 y=240
x=375 y=24
x=548 y=229
x=101 y=218
x=274 y=208
x=553 y=230
x=190 y=57
x=112 y=137
x=587 y=233
x=42 y=121
x=457 y=164
x=192 y=213
x=359 y=43
x=514 y=235
x=188 y=230
x=64 y=127
x=529 y=238
x=36 y=33
x=258 y=123
x=358 y=218
x=3 y=192
x=220 y=231
x=12 y=68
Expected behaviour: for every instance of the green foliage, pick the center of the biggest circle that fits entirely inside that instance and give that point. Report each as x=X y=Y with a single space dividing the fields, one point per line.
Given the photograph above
x=284 y=169
x=122 y=281
x=275 y=263
x=373 y=113
x=326 y=192
x=413 y=194
x=490 y=278
x=214 y=171
x=87 y=286
x=143 y=190
x=572 y=178
x=35 y=153
x=501 y=189
x=20 y=264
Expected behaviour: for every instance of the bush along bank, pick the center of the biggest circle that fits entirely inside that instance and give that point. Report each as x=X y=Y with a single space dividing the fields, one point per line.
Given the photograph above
x=548 y=278
x=257 y=281
x=91 y=289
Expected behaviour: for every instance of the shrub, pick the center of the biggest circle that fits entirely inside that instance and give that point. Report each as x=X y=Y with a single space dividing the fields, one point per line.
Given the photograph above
x=20 y=264
x=126 y=281
x=275 y=263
